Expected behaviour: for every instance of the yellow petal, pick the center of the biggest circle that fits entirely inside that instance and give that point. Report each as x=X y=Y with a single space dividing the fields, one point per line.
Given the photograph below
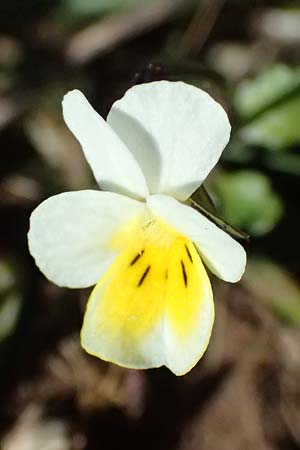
x=154 y=305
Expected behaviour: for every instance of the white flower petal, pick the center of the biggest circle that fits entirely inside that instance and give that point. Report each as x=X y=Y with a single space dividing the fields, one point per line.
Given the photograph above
x=161 y=320
x=175 y=131
x=113 y=165
x=70 y=232
x=224 y=256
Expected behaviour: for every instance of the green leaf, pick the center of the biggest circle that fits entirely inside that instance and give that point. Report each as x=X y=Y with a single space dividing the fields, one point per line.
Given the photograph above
x=274 y=286
x=277 y=128
x=247 y=201
x=269 y=107
x=269 y=87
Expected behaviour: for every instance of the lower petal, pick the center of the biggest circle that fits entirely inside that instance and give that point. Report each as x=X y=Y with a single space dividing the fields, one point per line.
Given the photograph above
x=154 y=306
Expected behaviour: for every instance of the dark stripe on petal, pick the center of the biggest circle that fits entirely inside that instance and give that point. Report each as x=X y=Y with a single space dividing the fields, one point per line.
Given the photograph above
x=136 y=258
x=143 y=276
x=184 y=274
x=189 y=254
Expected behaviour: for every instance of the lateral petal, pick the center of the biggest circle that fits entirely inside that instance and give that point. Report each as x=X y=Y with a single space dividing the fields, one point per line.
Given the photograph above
x=224 y=256
x=175 y=131
x=113 y=165
x=71 y=234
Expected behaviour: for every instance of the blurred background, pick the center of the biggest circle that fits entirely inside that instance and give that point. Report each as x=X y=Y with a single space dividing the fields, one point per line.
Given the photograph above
x=245 y=392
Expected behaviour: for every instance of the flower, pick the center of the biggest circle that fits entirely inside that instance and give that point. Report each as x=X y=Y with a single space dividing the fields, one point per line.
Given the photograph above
x=137 y=240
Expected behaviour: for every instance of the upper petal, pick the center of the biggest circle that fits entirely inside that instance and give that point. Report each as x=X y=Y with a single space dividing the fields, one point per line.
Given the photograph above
x=70 y=234
x=175 y=131
x=222 y=254
x=113 y=165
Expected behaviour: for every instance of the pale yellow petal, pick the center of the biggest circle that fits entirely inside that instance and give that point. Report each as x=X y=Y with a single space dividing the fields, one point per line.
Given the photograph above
x=154 y=306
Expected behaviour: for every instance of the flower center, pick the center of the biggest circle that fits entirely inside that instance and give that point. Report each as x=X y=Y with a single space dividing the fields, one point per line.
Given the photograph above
x=157 y=274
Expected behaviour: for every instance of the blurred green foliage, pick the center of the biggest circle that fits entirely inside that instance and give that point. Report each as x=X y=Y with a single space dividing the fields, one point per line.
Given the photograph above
x=274 y=286
x=277 y=128
x=247 y=201
x=91 y=8
x=269 y=105
x=272 y=85
x=10 y=299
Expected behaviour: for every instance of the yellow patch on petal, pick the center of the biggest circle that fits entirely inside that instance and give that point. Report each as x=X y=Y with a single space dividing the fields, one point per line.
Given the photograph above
x=186 y=286
x=158 y=277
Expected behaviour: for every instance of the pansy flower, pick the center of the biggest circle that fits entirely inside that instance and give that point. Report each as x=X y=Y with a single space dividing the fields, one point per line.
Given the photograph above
x=137 y=239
